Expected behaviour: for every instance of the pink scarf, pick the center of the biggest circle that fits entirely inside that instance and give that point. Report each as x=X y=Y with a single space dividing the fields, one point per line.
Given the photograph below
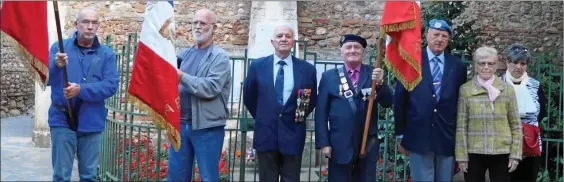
x=487 y=84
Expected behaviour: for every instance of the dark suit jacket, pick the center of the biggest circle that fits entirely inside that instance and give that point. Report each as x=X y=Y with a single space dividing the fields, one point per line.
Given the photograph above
x=275 y=126
x=346 y=128
x=428 y=125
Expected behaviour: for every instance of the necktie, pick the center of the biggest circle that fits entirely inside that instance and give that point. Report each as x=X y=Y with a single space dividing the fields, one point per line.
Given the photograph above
x=279 y=84
x=437 y=76
x=354 y=77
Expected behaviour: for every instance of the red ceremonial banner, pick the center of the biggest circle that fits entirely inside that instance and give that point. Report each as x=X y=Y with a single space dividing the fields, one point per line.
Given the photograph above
x=154 y=88
x=401 y=20
x=24 y=24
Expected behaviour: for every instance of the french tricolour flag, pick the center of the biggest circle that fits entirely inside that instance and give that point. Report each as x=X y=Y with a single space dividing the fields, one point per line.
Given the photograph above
x=153 y=87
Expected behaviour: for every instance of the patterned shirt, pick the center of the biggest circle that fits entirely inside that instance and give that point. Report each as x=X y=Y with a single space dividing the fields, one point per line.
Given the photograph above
x=486 y=128
x=540 y=100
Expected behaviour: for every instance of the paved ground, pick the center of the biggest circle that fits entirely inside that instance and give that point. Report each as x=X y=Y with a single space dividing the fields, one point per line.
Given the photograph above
x=20 y=161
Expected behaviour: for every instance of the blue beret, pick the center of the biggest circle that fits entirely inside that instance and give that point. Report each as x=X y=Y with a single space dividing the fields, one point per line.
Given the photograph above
x=353 y=38
x=440 y=25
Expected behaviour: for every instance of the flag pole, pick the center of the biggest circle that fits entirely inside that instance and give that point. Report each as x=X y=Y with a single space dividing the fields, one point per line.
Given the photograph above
x=372 y=95
x=71 y=121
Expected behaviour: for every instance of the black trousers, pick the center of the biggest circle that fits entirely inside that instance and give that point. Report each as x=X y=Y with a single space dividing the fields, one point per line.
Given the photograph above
x=274 y=166
x=479 y=163
x=358 y=169
x=527 y=170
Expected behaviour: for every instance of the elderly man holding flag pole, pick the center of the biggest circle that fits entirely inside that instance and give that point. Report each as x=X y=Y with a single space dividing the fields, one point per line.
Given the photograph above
x=77 y=113
x=205 y=84
x=191 y=103
x=424 y=114
x=343 y=101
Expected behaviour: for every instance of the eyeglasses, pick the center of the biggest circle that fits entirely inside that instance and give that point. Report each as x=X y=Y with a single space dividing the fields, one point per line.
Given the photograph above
x=195 y=23
x=88 y=22
x=483 y=64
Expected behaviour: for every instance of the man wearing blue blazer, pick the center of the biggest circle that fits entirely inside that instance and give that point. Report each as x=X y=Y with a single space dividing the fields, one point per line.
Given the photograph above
x=425 y=118
x=340 y=115
x=280 y=91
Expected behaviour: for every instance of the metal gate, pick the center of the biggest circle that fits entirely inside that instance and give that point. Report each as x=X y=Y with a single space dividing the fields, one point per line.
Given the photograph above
x=134 y=149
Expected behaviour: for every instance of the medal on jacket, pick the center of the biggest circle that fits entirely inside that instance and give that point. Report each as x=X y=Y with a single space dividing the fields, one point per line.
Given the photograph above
x=303 y=96
x=345 y=86
x=366 y=93
x=341 y=75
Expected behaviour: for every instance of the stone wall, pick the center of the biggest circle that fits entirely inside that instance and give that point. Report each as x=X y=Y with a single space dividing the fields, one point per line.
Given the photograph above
x=535 y=24
x=16 y=84
x=123 y=18
x=322 y=24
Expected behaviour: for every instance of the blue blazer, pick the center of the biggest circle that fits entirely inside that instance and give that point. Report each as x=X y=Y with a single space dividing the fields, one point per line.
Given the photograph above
x=428 y=125
x=275 y=125
x=346 y=128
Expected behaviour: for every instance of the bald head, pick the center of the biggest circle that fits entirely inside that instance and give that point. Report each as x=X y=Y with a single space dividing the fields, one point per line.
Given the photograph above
x=86 y=12
x=282 y=40
x=203 y=24
x=87 y=24
x=207 y=13
x=282 y=28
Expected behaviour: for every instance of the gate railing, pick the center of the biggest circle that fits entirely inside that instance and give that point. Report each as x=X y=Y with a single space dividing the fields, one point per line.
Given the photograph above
x=134 y=149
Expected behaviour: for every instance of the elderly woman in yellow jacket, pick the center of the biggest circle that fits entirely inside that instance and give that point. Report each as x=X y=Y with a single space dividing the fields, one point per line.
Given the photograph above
x=488 y=135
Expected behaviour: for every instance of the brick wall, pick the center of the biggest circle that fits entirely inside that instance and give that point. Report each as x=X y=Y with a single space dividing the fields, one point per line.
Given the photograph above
x=321 y=24
x=535 y=24
x=122 y=18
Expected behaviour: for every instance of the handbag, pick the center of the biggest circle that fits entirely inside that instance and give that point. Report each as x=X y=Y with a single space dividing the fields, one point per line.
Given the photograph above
x=531 y=134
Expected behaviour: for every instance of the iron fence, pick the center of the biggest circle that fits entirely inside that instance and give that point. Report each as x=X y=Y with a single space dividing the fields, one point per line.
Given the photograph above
x=134 y=149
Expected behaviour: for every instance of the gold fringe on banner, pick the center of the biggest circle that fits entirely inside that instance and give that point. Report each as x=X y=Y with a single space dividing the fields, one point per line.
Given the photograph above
x=412 y=62
x=397 y=27
x=34 y=66
x=159 y=120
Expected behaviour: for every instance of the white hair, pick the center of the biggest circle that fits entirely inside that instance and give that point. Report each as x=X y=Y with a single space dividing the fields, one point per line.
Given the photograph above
x=214 y=17
x=485 y=52
x=283 y=25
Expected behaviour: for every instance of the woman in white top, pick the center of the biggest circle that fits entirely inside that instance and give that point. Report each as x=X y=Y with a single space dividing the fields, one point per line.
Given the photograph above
x=532 y=108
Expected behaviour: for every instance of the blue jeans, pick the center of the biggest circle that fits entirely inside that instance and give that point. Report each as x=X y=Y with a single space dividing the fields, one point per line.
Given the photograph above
x=205 y=145
x=65 y=144
x=431 y=167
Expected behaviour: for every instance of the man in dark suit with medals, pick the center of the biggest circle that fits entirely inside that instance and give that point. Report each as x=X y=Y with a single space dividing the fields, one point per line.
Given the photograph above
x=340 y=116
x=280 y=92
